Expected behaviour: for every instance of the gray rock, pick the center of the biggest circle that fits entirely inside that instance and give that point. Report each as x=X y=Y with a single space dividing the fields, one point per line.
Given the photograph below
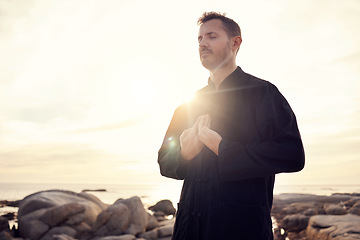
x=124 y=216
x=122 y=237
x=63 y=231
x=164 y=238
x=5 y=236
x=62 y=237
x=42 y=211
x=138 y=215
x=168 y=222
x=153 y=234
x=152 y=223
x=295 y=222
x=165 y=231
x=355 y=209
x=4 y=224
x=334 y=209
x=59 y=214
x=164 y=206
x=115 y=220
x=32 y=229
x=351 y=202
x=330 y=227
x=288 y=198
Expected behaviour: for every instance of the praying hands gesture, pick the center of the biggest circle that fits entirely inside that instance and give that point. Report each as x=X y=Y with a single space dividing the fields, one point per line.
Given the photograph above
x=192 y=140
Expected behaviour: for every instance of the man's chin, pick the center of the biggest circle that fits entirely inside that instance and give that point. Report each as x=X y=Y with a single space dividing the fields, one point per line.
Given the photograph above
x=207 y=64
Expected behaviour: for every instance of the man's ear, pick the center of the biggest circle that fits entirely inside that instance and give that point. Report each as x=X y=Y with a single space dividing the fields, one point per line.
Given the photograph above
x=237 y=40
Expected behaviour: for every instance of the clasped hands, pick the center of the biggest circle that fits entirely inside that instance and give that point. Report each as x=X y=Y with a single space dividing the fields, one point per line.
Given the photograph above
x=192 y=140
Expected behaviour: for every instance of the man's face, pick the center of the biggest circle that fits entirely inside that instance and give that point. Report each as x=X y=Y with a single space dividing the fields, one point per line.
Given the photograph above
x=214 y=45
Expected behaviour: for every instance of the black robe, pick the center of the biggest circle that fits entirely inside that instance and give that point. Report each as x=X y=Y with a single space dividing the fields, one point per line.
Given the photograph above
x=229 y=196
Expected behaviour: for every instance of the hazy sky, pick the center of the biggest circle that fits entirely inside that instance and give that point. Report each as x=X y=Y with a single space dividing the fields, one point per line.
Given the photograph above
x=87 y=88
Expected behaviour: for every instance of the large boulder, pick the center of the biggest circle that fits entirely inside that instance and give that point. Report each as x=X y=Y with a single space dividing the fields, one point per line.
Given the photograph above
x=138 y=215
x=295 y=222
x=164 y=206
x=43 y=214
x=125 y=216
x=331 y=227
x=355 y=209
x=334 y=209
x=4 y=224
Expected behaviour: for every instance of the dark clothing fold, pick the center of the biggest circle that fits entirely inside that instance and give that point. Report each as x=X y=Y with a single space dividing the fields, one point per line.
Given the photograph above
x=229 y=196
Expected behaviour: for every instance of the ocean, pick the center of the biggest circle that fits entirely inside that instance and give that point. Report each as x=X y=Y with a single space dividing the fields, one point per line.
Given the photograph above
x=150 y=194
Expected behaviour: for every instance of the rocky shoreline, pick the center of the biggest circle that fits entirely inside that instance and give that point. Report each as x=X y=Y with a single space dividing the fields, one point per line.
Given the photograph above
x=308 y=217
x=66 y=215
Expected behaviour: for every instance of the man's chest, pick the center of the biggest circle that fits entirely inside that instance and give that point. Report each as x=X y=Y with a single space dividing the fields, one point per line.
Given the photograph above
x=232 y=115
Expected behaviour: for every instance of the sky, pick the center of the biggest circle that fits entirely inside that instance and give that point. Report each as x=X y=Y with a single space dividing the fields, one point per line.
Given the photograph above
x=88 y=88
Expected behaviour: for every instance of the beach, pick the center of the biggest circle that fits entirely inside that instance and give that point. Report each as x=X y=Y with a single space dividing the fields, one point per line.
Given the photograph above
x=286 y=210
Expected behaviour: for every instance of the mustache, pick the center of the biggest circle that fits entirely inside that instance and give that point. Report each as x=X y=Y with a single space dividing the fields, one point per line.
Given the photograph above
x=205 y=50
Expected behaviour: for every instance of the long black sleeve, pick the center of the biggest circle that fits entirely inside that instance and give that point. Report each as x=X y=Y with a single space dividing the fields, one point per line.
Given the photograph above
x=169 y=158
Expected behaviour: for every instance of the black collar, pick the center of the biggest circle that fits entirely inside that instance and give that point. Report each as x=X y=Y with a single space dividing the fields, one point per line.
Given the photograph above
x=229 y=82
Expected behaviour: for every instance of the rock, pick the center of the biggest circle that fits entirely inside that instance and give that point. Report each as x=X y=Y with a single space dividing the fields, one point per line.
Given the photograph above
x=330 y=227
x=94 y=190
x=5 y=236
x=153 y=234
x=41 y=212
x=296 y=235
x=351 y=202
x=334 y=209
x=355 y=209
x=160 y=216
x=152 y=223
x=4 y=224
x=309 y=207
x=138 y=215
x=164 y=206
x=169 y=222
x=289 y=204
x=62 y=237
x=312 y=212
x=124 y=216
x=165 y=231
x=63 y=232
x=4 y=203
x=295 y=223
x=288 y=198
x=115 y=220
x=33 y=229
x=59 y=214
x=164 y=238
x=9 y=216
x=122 y=237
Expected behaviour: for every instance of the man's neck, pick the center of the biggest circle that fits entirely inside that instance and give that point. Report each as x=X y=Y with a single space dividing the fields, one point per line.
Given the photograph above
x=218 y=76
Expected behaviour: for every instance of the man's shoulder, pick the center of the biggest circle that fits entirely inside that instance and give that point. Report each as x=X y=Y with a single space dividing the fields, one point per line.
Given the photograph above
x=256 y=81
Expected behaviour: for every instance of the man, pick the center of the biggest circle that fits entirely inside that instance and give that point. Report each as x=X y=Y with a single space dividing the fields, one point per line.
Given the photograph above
x=228 y=144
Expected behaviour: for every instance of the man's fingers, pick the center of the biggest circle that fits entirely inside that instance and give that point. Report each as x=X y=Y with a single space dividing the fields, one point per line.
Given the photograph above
x=207 y=121
x=185 y=132
x=203 y=121
x=196 y=125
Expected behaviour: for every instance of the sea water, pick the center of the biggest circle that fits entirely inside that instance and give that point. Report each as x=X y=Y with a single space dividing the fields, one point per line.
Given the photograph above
x=150 y=193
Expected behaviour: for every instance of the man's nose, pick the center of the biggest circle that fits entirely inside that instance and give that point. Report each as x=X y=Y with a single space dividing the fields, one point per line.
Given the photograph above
x=203 y=43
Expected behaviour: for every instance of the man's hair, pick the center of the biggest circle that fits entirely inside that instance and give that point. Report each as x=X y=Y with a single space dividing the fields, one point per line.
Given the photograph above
x=230 y=26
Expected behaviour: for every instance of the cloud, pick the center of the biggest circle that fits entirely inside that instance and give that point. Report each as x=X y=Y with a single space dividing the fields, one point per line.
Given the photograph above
x=113 y=126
